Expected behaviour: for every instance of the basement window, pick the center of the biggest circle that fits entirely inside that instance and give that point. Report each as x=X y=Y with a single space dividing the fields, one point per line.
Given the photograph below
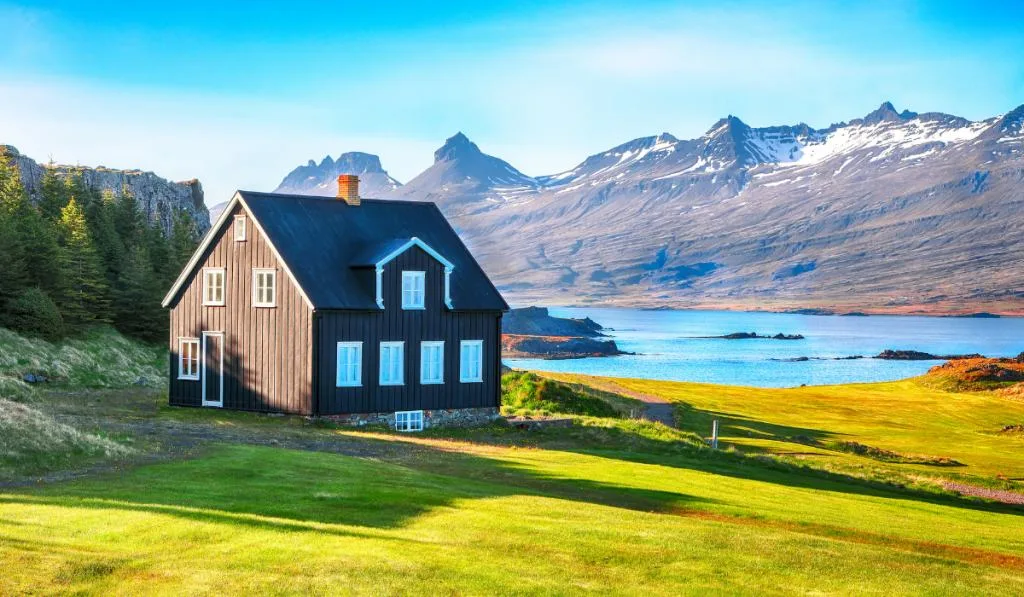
x=239 y=228
x=409 y=420
x=188 y=358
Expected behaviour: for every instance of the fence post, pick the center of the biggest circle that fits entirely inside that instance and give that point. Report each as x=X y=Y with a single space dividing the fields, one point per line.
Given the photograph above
x=714 y=434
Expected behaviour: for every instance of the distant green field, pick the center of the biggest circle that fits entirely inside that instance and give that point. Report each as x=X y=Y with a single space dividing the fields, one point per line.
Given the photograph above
x=933 y=432
x=610 y=506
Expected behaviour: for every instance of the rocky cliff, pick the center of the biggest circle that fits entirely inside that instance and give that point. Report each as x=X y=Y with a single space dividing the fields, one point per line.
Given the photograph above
x=158 y=197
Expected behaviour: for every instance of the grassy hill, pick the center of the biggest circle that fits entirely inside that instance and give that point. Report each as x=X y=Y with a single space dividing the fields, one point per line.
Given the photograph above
x=216 y=502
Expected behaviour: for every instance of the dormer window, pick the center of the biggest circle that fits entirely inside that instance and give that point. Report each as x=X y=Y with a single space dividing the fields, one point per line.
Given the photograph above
x=413 y=284
x=239 y=229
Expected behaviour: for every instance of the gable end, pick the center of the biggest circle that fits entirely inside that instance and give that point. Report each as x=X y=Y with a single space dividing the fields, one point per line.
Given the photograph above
x=204 y=246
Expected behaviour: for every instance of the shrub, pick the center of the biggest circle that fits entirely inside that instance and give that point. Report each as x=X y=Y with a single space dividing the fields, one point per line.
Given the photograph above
x=34 y=313
x=525 y=393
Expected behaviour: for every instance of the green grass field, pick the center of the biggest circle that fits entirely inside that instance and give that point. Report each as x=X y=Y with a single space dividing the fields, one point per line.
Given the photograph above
x=938 y=433
x=214 y=502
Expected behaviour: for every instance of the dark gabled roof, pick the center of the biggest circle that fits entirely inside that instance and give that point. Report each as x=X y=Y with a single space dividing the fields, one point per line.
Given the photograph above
x=323 y=241
x=373 y=253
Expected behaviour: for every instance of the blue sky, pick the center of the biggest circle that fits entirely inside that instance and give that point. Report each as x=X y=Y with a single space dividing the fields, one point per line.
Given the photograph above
x=240 y=94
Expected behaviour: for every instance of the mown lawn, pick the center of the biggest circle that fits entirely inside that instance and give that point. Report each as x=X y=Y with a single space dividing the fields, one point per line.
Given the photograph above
x=444 y=516
x=905 y=417
x=610 y=506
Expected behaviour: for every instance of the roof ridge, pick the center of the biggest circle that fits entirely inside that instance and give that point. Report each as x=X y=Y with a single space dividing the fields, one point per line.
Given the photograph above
x=325 y=197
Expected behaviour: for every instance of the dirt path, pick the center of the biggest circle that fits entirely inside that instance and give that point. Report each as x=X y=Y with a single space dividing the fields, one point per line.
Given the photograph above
x=1006 y=497
x=656 y=408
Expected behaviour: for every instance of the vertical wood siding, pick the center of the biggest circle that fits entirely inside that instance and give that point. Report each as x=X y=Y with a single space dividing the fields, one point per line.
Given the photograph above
x=268 y=352
x=434 y=323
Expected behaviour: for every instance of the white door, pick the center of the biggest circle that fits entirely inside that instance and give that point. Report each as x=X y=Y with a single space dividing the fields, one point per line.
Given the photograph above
x=213 y=369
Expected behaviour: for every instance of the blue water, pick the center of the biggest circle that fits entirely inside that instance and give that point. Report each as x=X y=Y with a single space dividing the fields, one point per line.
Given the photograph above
x=667 y=349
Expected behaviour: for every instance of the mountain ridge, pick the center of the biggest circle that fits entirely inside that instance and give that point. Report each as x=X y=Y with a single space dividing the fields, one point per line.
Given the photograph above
x=892 y=211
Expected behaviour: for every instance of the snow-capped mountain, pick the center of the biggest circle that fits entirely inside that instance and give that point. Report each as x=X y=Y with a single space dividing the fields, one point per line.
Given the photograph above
x=322 y=178
x=888 y=211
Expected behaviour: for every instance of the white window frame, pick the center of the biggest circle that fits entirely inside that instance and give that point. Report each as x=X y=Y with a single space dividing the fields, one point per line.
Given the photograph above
x=401 y=364
x=349 y=383
x=410 y=295
x=409 y=420
x=479 y=344
x=256 y=273
x=192 y=375
x=240 y=228
x=426 y=347
x=211 y=271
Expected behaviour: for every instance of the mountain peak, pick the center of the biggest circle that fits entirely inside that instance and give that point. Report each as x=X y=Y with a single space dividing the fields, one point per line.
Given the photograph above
x=1013 y=121
x=887 y=112
x=730 y=124
x=456 y=146
x=358 y=162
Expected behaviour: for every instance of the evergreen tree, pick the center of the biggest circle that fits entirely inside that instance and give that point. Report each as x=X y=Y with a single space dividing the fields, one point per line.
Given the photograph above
x=129 y=219
x=12 y=265
x=30 y=244
x=159 y=248
x=12 y=250
x=183 y=241
x=54 y=195
x=137 y=302
x=83 y=297
x=100 y=215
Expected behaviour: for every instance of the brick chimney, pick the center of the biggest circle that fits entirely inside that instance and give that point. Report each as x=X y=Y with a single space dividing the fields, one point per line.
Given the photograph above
x=348 y=188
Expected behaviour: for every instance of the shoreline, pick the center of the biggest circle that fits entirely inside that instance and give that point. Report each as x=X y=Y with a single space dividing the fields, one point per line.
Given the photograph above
x=915 y=311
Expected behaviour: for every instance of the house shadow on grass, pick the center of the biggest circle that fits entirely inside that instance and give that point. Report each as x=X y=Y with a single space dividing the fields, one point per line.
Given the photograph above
x=292 y=490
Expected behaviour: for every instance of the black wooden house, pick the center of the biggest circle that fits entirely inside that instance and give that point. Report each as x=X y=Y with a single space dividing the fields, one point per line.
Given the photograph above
x=364 y=310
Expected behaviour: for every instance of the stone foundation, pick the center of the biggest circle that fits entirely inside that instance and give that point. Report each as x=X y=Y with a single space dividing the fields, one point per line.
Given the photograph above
x=453 y=417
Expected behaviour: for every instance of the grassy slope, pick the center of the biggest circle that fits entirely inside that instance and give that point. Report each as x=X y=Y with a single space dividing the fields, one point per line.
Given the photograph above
x=32 y=441
x=102 y=358
x=907 y=417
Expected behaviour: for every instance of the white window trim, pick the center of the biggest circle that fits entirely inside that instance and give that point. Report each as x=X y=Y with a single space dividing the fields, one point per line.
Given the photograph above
x=223 y=286
x=240 y=228
x=412 y=275
x=449 y=267
x=380 y=364
x=358 y=381
x=181 y=358
x=423 y=361
x=255 y=289
x=479 y=378
x=414 y=420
